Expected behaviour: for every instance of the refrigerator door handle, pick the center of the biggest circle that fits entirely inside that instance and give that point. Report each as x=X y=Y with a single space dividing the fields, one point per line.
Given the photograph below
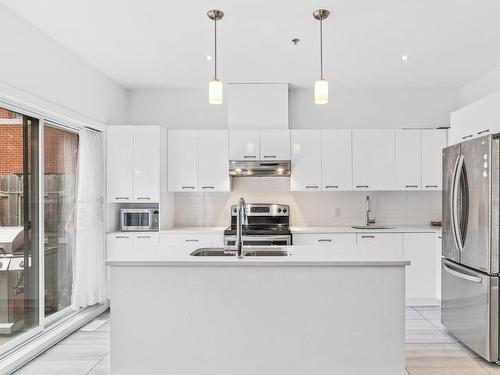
x=454 y=202
x=475 y=279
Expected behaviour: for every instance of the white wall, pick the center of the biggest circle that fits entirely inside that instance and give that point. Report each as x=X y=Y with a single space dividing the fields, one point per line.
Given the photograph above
x=348 y=108
x=308 y=208
x=480 y=88
x=36 y=69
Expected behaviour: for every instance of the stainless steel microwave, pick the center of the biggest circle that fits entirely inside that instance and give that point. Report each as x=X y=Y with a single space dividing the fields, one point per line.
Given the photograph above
x=138 y=219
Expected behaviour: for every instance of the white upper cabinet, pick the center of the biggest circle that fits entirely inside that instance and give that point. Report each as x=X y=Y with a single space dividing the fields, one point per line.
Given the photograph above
x=213 y=165
x=244 y=145
x=274 y=144
x=306 y=160
x=408 y=171
x=479 y=118
x=133 y=163
x=257 y=106
x=147 y=163
x=433 y=142
x=373 y=159
x=183 y=160
x=336 y=152
x=120 y=161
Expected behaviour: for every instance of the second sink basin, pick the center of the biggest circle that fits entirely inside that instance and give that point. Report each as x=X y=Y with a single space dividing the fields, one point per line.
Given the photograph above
x=371 y=227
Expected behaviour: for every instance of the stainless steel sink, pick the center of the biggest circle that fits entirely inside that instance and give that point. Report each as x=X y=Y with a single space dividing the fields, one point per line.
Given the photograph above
x=248 y=252
x=371 y=227
x=211 y=252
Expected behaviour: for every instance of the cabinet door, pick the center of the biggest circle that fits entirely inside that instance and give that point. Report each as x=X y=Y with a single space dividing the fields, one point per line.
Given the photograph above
x=336 y=159
x=306 y=160
x=146 y=163
x=420 y=250
x=381 y=244
x=183 y=160
x=274 y=145
x=335 y=240
x=195 y=240
x=244 y=145
x=373 y=159
x=433 y=142
x=408 y=170
x=213 y=163
x=120 y=246
x=120 y=163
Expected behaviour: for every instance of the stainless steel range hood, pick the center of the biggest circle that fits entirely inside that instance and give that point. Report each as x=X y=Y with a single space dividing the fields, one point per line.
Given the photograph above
x=278 y=168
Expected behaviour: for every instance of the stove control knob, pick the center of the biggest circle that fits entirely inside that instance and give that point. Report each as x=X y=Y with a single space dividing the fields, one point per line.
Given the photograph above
x=284 y=210
x=235 y=210
x=279 y=210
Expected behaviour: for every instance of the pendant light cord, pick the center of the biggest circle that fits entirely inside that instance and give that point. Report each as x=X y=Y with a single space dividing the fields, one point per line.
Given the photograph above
x=215 y=53
x=321 y=46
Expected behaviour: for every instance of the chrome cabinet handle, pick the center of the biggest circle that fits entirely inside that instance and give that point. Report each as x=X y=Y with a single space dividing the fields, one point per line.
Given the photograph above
x=367 y=236
x=269 y=156
x=475 y=279
x=249 y=156
x=143 y=237
x=188 y=187
x=143 y=198
x=467 y=136
x=331 y=187
x=194 y=240
x=208 y=187
x=431 y=186
x=122 y=237
x=412 y=186
x=484 y=131
x=122 y=198
x=311 y=187
x=324 y=240
x=363 y=186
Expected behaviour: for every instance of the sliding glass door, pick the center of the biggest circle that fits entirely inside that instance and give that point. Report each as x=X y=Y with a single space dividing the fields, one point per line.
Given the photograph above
x=19 y=225
x=60 y=166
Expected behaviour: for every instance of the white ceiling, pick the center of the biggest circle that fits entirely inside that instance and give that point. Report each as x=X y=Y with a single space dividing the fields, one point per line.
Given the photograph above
x=163 y=44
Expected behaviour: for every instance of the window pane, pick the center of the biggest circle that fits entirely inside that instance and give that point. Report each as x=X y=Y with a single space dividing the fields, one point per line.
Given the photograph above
x=60 y=165
x=19 y=290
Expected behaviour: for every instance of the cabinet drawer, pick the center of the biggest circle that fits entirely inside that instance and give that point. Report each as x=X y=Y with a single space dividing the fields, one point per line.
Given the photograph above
x=337 y=240
x=383 y=244
x=133 y=246
x=194 y=239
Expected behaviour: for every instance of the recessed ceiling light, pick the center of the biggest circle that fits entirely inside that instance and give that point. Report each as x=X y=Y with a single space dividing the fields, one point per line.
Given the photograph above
x=404 y=58
x=209 y=58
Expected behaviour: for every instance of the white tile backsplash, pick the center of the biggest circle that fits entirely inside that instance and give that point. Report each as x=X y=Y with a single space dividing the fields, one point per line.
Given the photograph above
x=309 y=208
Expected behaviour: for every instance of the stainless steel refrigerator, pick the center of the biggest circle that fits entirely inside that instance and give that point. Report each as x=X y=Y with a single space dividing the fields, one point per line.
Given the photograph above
x=470 y=263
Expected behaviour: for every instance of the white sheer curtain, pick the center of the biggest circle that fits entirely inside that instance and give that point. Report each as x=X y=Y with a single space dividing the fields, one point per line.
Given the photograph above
x=89 y=280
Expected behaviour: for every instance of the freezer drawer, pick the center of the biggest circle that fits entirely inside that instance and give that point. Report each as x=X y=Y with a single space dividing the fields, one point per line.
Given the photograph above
x=469 y=308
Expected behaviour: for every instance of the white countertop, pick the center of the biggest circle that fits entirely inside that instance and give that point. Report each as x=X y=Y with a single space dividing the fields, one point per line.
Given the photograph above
x=324 y=229
x=301 y=256
x=199 y=230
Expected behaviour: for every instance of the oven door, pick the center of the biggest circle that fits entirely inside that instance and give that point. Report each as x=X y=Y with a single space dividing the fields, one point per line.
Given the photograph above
x=136 y=220
x=285 y=240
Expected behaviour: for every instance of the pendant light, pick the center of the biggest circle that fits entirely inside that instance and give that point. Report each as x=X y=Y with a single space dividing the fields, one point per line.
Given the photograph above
x=321 y=86
x=215 y=86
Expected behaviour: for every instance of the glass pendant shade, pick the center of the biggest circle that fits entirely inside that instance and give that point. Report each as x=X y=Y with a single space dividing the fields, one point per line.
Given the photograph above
x=321 y=92
x=215 y=92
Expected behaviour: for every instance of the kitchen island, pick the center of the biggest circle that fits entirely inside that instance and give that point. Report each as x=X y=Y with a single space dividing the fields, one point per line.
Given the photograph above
x=313 y=312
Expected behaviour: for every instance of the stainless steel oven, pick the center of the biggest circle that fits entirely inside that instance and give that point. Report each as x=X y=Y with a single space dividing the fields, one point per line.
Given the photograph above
x=139 y=219
x=268 y=225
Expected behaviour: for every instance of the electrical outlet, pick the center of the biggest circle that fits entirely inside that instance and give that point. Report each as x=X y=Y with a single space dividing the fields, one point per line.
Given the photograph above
x=336 y=212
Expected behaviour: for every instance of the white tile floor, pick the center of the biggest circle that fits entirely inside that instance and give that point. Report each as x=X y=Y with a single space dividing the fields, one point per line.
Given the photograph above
x=430 y=350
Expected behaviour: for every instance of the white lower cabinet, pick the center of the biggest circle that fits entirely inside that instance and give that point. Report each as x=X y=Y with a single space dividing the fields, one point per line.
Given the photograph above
x=133 y=246
x=195 y=240
x=421 y=274
x=337 y=240
x=381 y=244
